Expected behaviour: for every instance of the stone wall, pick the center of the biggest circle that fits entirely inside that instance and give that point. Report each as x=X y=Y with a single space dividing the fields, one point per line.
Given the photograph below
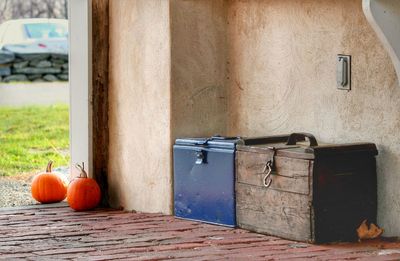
x=32 y=67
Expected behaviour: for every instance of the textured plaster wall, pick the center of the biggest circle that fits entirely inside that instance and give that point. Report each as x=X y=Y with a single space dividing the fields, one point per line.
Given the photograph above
x=198 y=67
x=248 y=68
x=139 y=97
x=282 y=74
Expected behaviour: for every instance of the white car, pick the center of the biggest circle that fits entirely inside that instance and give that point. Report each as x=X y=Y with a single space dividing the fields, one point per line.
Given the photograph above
x=36 y=34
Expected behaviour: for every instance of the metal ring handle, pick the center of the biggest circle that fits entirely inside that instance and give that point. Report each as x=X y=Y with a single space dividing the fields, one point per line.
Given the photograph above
x=267 y=180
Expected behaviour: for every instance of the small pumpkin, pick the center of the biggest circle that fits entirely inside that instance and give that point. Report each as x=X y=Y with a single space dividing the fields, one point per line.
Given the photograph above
x=83 y=192
x=48 y=187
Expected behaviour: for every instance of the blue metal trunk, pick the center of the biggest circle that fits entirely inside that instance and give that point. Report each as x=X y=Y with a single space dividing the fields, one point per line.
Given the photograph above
x=204 y=180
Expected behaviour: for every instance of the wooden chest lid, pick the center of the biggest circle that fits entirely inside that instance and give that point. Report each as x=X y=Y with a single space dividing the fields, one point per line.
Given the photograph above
x=296 y=147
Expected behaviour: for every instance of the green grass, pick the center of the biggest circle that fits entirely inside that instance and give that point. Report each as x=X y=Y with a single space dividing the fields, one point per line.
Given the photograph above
x=31 y=136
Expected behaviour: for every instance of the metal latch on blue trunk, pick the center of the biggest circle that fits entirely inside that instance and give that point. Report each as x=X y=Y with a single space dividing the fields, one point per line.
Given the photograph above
x=200 y=157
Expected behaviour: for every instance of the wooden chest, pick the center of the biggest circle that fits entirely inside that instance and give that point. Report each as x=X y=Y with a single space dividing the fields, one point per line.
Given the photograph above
x=307 y=193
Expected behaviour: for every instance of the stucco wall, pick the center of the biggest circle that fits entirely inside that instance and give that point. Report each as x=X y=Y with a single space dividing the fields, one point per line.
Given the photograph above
x=198 y=67
x=282 y=74
x=139 y=97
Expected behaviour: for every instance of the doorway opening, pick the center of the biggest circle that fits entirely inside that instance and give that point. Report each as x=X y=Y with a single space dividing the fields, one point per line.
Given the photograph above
x=34 y=94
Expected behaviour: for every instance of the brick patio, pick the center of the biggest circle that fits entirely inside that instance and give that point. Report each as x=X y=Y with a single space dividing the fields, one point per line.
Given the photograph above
x=56 y=232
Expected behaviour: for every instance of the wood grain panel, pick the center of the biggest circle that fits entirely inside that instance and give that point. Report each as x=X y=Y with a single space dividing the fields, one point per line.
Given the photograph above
x=289 y=175
x=100 y=47
x=272 y=212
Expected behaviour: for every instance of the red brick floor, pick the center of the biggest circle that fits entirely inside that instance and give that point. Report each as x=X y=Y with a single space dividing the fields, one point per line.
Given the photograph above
x=57 y=233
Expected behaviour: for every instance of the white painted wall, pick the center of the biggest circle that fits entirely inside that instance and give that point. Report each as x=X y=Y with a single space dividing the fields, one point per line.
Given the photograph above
x=80 y=82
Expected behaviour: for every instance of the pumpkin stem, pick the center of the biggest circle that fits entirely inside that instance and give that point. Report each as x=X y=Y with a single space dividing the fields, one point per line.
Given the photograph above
x=49 y=165
x=83 y=173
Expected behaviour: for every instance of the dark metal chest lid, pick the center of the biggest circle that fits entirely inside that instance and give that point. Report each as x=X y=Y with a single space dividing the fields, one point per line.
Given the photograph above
x=296 y=147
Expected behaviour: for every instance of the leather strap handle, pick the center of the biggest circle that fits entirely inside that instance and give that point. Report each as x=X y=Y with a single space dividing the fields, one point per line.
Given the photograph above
x=295 y=137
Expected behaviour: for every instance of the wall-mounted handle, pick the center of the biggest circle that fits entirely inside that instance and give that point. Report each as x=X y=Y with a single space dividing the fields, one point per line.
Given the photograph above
x=343 y=72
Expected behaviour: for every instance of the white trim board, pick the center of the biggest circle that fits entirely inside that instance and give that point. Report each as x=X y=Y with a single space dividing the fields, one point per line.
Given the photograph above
x=80 y=81
x=384 y=17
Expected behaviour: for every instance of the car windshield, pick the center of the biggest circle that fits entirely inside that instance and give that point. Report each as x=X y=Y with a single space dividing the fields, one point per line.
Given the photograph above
x=46 y=30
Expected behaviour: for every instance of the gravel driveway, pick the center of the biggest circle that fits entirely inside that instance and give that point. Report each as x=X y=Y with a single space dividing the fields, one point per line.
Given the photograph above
x=16 y=191
x=34 y=94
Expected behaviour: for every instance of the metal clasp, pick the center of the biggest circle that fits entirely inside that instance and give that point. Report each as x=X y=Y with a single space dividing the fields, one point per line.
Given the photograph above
x=200 y=157
x=267 y=180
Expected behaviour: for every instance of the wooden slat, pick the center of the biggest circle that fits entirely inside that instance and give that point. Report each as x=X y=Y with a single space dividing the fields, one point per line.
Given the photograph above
x=100 y=47
x=291 y=175
x=293 y=168
x=273 y=212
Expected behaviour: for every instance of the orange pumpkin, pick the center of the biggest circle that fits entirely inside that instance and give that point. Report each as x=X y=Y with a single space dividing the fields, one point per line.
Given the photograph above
x=83 y=192
x=48 y=187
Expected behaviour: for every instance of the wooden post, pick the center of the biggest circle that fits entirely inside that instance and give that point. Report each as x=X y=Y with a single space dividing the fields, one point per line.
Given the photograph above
x=100 y=50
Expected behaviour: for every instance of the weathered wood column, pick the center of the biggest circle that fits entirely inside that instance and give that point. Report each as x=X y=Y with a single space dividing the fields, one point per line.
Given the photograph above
x=100 y=47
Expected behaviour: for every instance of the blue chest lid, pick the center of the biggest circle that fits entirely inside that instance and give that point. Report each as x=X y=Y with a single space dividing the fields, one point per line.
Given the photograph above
x=212 y=142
